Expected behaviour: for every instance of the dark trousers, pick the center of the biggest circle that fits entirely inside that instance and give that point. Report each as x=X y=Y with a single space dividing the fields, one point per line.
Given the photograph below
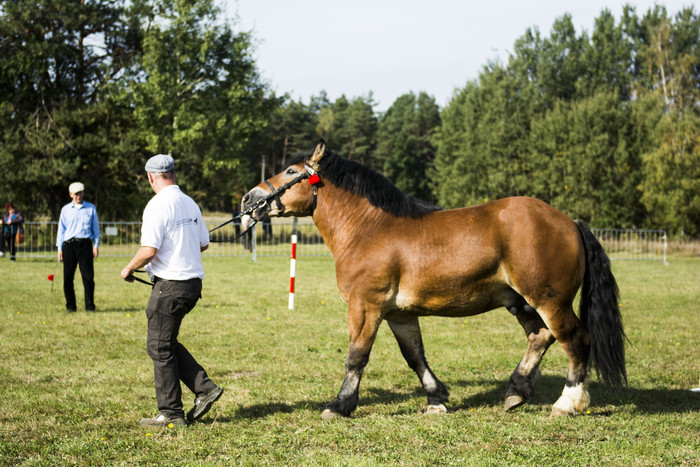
x=169 y=303
x=78 y=252
x=8 y=240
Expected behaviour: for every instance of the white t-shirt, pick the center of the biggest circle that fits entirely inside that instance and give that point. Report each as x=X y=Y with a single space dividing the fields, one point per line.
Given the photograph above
x=173 y=224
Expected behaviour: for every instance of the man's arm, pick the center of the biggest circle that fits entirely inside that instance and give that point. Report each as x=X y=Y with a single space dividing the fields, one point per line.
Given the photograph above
x=203 y=234
x=59 y=235
x=95 y=229
x=142 y=258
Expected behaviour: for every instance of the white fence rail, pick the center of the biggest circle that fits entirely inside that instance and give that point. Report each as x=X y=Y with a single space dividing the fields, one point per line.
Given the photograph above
x=633 y=244
x=121 y=239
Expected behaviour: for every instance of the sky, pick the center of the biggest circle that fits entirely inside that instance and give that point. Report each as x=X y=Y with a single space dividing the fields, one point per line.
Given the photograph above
x=393 y=47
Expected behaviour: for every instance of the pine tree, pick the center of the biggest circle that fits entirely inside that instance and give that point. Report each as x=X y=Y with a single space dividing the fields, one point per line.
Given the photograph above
x=405 y=147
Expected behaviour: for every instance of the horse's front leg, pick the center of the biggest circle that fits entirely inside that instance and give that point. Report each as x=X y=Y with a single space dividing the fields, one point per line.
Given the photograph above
x=363 y=325
x=408 y=336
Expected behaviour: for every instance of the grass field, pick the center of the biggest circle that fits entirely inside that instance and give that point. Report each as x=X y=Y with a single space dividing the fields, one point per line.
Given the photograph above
x=74 y=386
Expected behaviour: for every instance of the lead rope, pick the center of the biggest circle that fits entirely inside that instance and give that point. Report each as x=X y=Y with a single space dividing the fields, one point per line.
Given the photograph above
x=138 y=279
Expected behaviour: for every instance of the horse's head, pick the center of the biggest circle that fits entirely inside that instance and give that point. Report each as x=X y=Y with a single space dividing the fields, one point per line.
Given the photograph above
x=291 y=192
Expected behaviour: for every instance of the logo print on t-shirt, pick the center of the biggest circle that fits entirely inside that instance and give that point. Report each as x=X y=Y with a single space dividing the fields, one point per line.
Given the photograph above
x=186 y=221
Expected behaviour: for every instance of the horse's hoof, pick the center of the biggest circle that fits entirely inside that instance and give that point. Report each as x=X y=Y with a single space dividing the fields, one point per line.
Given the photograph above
x=514 y=401
x=436 y=409
x=556 y=412
x=328 y=414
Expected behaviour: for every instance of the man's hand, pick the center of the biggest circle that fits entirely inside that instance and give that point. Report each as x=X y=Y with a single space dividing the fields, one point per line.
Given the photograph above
x=95 y=252
x=142 y=258
x=127 y=274
x=60 y=256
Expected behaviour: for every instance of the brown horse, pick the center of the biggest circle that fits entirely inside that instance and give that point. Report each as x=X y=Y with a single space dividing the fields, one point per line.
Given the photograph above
x=397 y=258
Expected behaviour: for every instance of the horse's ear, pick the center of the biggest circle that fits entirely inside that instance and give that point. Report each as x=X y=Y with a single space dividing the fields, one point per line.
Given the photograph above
x=319 y=152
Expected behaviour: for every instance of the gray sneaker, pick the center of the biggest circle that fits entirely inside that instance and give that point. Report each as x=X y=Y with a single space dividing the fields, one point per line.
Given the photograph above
x=162 y=420
x=202 y=406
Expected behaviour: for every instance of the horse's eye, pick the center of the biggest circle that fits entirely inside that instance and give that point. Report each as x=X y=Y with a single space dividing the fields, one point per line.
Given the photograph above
x=290 y=171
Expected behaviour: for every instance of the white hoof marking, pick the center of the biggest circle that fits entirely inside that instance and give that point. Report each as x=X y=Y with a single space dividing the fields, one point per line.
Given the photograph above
x=436 y=409
x=328 y=414
x=573 y=399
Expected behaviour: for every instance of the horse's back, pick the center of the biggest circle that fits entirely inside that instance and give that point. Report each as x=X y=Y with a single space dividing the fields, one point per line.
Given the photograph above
x=507 y=227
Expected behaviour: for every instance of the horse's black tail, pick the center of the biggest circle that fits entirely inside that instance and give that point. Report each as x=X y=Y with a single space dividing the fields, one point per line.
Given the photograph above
x=600 y=312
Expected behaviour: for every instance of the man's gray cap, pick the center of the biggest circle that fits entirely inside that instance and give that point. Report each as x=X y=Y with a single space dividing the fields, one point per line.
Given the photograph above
x=160 y=163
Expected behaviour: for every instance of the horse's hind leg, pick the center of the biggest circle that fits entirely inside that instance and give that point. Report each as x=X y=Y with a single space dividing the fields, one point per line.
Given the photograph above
x=522 y=381
x=574 y=339
x=408 y=336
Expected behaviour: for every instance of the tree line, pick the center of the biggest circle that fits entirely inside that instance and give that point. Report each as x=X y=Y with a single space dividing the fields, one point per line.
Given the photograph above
x=603 y=125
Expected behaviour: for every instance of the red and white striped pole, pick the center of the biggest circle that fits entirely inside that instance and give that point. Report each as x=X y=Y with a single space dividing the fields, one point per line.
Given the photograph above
x=292 y=271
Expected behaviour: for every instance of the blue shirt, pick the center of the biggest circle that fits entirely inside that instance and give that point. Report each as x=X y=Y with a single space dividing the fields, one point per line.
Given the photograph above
x=78 y=221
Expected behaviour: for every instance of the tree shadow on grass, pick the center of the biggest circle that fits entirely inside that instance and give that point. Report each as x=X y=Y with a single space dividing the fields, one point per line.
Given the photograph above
x=142 y=307
x=372 y=397
x=257 y=411
x=547 y=391
x=121 y=309
x=549 y=388
x=377 y=396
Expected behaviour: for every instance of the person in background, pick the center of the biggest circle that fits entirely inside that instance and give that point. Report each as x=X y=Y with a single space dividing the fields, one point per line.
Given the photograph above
x=267 y=228
x=11 y=224
x=78 y=242
x=173 y=237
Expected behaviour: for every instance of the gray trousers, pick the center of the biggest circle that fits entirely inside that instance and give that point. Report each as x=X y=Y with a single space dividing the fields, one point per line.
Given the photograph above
x=170 y=301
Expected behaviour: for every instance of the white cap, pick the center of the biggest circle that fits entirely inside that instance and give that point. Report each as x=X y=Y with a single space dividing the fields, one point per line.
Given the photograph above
x=76 y=187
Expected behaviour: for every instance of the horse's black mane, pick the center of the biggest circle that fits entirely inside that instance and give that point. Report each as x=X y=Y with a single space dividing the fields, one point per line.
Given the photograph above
x=363 y=181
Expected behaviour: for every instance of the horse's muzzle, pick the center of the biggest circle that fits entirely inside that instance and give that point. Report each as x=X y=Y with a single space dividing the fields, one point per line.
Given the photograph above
x=257 y=199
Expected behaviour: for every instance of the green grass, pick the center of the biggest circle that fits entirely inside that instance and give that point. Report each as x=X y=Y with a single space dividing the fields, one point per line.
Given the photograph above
x=74 y=387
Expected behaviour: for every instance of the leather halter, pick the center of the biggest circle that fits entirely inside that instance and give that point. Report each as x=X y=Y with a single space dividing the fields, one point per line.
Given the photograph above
x=280 y=206
x=310 y=173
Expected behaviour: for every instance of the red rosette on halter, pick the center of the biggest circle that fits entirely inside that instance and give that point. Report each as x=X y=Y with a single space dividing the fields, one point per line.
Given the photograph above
x=314 y=179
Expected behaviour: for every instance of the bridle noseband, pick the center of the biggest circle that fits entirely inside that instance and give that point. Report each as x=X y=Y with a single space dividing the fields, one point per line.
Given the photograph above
x=310 y=173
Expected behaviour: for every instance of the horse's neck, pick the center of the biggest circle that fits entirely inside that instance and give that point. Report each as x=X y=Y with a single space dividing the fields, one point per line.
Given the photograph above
x=339 y=216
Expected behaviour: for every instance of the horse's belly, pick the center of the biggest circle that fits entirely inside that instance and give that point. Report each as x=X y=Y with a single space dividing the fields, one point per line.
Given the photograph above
x=467 y=302
x=457 y=311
